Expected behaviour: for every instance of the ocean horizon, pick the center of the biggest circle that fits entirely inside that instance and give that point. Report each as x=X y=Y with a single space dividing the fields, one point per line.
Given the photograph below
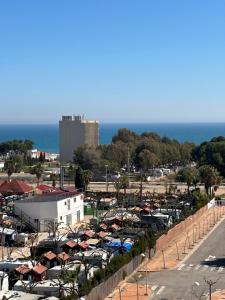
x=45 y=136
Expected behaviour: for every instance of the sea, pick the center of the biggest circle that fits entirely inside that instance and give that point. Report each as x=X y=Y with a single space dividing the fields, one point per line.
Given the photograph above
x=45 y=136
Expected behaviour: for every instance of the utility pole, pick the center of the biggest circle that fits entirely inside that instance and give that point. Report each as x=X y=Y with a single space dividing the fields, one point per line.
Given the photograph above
x=128 y=164
x=62 y=170
x=106 y=177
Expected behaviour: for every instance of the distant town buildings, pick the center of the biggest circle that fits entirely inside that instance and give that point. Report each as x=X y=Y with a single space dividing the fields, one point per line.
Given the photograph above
x=36 y=154
x=75 y=131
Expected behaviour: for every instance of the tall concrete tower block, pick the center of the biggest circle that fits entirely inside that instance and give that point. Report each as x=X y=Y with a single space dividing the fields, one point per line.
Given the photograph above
x=75 y=131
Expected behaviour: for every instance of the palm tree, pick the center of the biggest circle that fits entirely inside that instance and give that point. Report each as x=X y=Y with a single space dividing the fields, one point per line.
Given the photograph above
x=37 y=170
x=142 y=177
x=9 y=167
x=190 y=176
x=117 y=186
x=124 y=182
x=53 y=178
x=210 y=177
x=87 y=175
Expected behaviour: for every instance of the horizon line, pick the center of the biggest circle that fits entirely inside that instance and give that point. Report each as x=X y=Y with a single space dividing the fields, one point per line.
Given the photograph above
x=125 y=123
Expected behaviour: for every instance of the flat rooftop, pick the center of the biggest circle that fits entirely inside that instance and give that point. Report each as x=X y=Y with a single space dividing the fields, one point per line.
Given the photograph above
x=50 y=197
x=79 y=119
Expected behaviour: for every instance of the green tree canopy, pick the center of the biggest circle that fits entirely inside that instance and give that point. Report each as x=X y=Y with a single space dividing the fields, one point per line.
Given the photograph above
x=211 y=153
x=188 y=175
x=9 y=167
x=37 y=170
x=210 y=177
x=18 y=146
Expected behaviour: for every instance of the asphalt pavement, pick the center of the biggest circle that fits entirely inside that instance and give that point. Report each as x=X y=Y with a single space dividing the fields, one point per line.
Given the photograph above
x=192 y=277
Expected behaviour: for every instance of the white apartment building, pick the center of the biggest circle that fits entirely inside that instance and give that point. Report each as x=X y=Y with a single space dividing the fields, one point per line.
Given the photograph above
x=75 y=131
x=59 y=206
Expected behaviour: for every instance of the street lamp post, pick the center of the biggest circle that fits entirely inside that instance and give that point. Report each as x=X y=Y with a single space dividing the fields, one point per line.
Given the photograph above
x=120 y=293
x=137 y=289
x=146 y=282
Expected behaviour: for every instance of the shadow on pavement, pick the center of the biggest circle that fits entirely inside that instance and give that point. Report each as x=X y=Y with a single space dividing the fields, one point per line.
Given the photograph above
x=219 y=262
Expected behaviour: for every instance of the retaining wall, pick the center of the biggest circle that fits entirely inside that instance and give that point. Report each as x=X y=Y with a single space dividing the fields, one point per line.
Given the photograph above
x=163 y=241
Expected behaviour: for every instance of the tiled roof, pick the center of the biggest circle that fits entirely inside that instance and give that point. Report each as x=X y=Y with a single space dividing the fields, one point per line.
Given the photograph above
x=115 y=227
x=23 y=269
x=15 y=186
x=103 y=226
x=83 y=245
x=39 y=269
x=44 y=187
x=71 y=244
x=102 y=234
x=63 y=256
x=89 y=233
x=50 y=255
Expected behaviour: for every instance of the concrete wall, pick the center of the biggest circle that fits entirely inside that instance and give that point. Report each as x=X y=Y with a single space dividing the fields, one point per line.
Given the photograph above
x=165 y=239
x=101 y=291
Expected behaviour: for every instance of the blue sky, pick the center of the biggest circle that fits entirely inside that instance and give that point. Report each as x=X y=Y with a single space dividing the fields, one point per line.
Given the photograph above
x=114 y=60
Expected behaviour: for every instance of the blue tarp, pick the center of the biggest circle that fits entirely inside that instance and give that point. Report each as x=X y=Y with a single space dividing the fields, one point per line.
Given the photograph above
x=117 y=245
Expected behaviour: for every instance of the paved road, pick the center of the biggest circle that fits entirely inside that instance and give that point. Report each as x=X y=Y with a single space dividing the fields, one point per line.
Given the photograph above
x=187 y=281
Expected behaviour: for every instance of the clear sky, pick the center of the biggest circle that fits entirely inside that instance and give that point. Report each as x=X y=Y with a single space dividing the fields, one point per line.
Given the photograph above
x=114 y=60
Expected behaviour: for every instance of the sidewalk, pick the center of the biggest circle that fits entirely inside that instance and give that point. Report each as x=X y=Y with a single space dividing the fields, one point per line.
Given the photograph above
x=220 y=295
x=181 y=245
x=129 y=292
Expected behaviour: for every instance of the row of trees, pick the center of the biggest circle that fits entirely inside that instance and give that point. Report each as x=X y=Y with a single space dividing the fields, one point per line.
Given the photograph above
x=210 y=160
x=204 y=174
x=149 y=150
x=17 y=146
x=211 y=153
x=14 y=165
x=143 y=151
